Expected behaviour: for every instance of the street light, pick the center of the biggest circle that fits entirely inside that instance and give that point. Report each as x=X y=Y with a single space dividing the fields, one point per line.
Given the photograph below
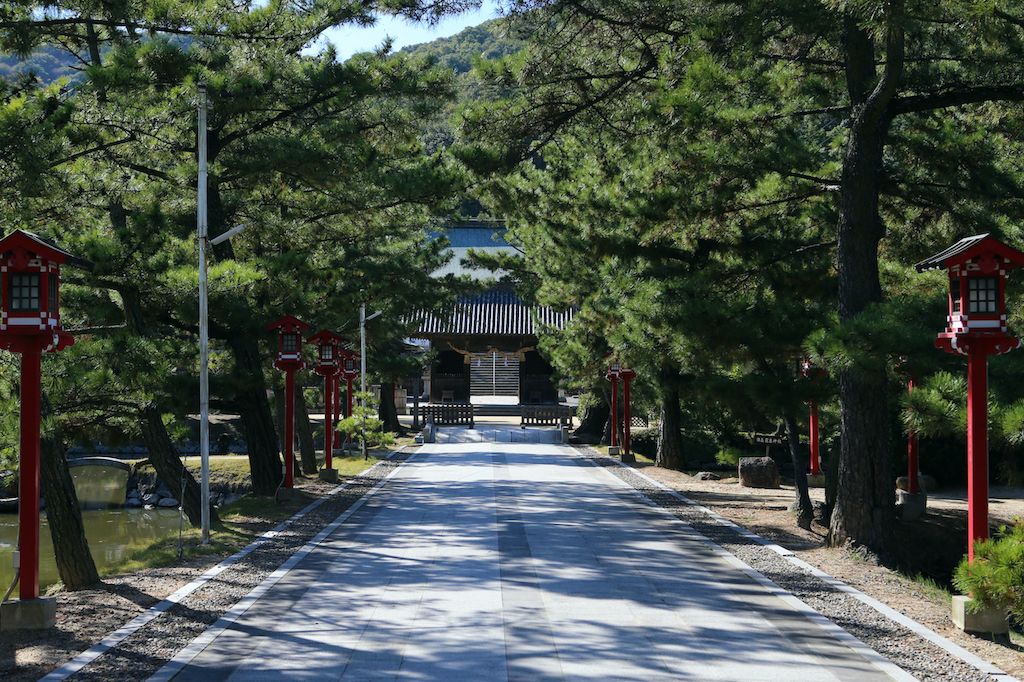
x=204 y=326
x=363 y=319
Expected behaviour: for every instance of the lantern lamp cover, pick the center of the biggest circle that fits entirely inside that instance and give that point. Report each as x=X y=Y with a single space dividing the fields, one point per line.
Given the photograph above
x=970 y=248
x=41 y=248
x=288 y=323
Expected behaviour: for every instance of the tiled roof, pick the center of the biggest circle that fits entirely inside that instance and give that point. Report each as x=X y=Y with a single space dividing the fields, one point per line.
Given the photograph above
x=497 y=312
x=473 y=234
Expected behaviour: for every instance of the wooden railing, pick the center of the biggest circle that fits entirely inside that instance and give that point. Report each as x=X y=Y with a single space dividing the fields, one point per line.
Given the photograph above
x=546 y=415
x=453 y=414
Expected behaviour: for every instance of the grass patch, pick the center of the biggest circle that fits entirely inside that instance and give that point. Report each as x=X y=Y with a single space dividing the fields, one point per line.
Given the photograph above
x=934 y=589
x=224 y=541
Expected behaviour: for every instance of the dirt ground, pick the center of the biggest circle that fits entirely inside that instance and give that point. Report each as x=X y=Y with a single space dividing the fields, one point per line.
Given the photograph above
x=766 y=512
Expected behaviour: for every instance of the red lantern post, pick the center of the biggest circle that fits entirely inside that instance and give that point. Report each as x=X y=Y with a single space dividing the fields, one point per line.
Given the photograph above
x=977 y=268
x=289 y=360
x=809 y=370
x=351 y=371
x=329 y=345
x=30 y=326
x=913 y=465
x=613 y=376
x=627 y=376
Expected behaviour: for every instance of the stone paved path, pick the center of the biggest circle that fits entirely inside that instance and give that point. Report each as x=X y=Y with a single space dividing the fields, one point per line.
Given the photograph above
x=495 y=561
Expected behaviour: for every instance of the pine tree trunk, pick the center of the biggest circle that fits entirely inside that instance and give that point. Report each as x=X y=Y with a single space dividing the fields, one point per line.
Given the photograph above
x=864 y=511
x=70 y=547
x=805 y=509
x=388 y=412
x=307 y=448
x=593 y=422
x=257 y=420
x=167 y=461
x=670 y=442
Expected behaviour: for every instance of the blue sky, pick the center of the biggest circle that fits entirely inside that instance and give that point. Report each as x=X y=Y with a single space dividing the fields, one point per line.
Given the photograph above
x=352 y=39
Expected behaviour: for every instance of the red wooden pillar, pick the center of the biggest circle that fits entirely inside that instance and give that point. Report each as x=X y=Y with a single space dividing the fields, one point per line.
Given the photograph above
x=28 y=485
x=977 y=448
x=328 y=421
x=625 y=416
x=289 y=428
x=815 y=442
x=337 y=408
x=913 y=485
x=615 y=410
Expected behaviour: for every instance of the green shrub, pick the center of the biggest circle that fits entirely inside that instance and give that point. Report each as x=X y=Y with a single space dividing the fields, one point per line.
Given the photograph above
x=644 y=442
x=728 y=456
x=996 y=578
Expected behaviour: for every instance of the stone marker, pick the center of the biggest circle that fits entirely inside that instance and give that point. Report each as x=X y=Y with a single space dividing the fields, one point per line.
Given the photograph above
x=758 y=472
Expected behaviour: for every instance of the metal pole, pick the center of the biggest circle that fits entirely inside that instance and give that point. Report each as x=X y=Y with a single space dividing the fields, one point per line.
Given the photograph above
x=362 y=371
x=204 y=332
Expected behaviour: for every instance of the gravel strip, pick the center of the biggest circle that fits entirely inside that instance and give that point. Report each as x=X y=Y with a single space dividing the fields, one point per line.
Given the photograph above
x=147 y=650
x=906 y=649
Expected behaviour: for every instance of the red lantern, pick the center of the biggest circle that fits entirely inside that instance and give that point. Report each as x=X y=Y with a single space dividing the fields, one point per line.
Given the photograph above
x=30 y=325
x=976 y=327
x=328 y=366
x=289 y=360
x=811 y=371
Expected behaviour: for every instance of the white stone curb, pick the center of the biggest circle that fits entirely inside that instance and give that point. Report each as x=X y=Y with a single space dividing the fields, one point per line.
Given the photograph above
x=196 y=646
x=116 y=637
x=918 y=629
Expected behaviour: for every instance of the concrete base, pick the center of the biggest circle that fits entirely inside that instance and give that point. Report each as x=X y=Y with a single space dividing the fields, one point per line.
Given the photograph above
x=628 y=457
x=815 y=480
x=613 y=451
x=32 y=614
x=288 y=493
x=987 y=621
x=329 y=475
x=910 y=506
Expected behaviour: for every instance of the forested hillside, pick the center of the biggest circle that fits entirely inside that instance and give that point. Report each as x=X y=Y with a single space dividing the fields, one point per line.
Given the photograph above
x=46 y=63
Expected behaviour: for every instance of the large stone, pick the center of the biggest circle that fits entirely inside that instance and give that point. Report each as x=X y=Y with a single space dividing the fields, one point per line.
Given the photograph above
x=31 y=614
x=984 y=621
x=758 y=472
x=151 y=498
x=925 y=482
x=910 y=506
x=133 y=503
x=329 y=475
x=167 y=502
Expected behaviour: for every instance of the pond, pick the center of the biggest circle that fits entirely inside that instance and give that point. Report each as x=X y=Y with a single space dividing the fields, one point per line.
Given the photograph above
x=112 y=533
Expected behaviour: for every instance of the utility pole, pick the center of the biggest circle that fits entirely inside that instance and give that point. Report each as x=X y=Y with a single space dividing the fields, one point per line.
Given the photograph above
x=204 y=331
x=363 y=319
